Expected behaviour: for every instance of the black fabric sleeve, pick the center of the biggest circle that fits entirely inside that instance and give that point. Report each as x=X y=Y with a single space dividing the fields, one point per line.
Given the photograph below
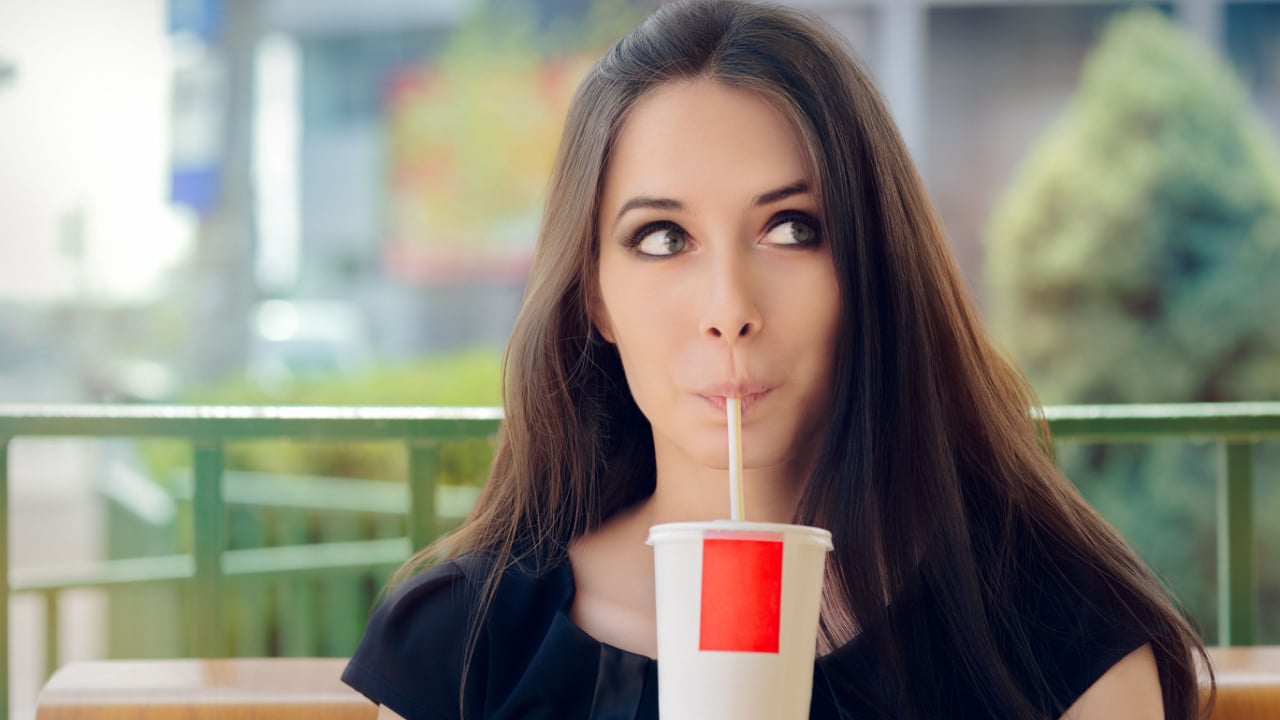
x=1079 y=628
x=1101 y=634
x=411 y=656
x=1069 y=631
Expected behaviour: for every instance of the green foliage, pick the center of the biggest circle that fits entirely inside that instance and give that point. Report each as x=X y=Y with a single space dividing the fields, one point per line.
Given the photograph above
x=1135 y=259
x=472 y=135
x=466 y=379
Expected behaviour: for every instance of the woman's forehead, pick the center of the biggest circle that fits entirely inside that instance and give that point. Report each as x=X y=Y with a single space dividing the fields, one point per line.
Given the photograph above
x=700 y=136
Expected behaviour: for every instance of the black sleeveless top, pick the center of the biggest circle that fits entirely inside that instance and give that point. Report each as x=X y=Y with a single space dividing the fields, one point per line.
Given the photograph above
x=531 y=662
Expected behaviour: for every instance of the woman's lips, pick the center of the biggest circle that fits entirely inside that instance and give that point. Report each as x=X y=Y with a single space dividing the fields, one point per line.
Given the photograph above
x=748 y=399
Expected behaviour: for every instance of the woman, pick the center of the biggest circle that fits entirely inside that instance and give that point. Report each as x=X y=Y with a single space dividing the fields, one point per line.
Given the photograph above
x=733 y=213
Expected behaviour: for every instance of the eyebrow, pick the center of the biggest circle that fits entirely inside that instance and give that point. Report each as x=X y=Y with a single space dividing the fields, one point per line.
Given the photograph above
x=798 y=187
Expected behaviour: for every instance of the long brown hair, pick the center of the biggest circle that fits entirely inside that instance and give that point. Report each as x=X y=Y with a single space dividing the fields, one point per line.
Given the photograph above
x=934 y=469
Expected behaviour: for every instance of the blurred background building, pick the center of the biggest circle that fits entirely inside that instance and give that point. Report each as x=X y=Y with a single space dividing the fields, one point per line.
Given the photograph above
x=198 y=189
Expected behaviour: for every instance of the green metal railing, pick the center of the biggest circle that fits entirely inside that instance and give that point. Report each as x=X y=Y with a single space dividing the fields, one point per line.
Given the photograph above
x=208 y=429
x=1236 y=427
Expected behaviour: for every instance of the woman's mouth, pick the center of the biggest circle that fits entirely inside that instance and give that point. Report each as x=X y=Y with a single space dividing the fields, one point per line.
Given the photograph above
x=749 y=399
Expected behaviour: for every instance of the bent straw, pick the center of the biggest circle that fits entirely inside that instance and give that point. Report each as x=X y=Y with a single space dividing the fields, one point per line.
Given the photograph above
x=733 y=410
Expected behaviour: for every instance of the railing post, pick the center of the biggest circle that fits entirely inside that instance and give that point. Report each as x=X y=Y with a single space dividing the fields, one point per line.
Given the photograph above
x=209 y=542
x=1237 y=576
x=424 y=466
x=296 y=612
x=4 y=578
x=50 y=633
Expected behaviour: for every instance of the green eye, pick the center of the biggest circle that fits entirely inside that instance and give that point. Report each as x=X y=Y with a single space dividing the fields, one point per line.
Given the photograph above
x=793 y=231
x=661 y=241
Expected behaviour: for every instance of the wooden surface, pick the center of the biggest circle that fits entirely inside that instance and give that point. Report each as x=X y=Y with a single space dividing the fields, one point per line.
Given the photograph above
x=297 y=688
x=245 y=689
x=1248 y=682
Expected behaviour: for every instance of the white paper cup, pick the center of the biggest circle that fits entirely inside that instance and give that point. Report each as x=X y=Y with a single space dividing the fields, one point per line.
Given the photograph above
x=737 y=606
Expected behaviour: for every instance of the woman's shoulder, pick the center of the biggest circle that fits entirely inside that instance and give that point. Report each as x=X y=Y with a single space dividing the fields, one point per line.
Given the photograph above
x=435 y=602
x=450 y=592
x=1071 y=621
x=414 y=647
x=1080 y=623
x=422 y=635
x=1056 y=629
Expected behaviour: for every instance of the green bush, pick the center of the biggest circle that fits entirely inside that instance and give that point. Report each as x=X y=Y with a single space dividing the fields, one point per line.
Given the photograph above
x=1135 y=256
x=465 y=379
x=1135 y=259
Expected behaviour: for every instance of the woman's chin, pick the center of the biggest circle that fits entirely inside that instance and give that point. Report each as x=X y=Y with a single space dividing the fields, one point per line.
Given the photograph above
x=707 y=448
x=716 y=458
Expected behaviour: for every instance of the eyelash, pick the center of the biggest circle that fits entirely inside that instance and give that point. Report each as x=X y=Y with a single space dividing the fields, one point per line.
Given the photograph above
x=785 y=216
x=645 y=230
x=796 y=215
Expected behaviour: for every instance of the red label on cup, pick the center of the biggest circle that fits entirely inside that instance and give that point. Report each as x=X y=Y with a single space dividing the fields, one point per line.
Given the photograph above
x=741 y=595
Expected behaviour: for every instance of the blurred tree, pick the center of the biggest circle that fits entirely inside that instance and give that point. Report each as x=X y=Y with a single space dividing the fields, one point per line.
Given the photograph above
x=1135 y=260
x=1135 y=256
x=472 y=136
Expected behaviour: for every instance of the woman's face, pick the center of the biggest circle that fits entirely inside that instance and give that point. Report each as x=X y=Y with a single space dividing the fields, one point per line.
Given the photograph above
x=715 y=277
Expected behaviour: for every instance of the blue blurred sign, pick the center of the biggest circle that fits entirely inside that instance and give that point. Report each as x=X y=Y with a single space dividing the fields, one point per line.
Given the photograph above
x=198 y=105
x=202 y=18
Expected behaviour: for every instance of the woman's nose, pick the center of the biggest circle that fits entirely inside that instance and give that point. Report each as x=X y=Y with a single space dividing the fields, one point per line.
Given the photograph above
x=732 y=311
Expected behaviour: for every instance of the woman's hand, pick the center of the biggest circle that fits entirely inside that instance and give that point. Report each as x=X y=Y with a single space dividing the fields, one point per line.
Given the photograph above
x=1130 y=690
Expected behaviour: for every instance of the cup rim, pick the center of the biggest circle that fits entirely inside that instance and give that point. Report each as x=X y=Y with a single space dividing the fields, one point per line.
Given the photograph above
x=729 y=528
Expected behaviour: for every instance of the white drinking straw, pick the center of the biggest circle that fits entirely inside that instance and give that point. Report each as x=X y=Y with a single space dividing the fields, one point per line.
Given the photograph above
x=733 y=410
